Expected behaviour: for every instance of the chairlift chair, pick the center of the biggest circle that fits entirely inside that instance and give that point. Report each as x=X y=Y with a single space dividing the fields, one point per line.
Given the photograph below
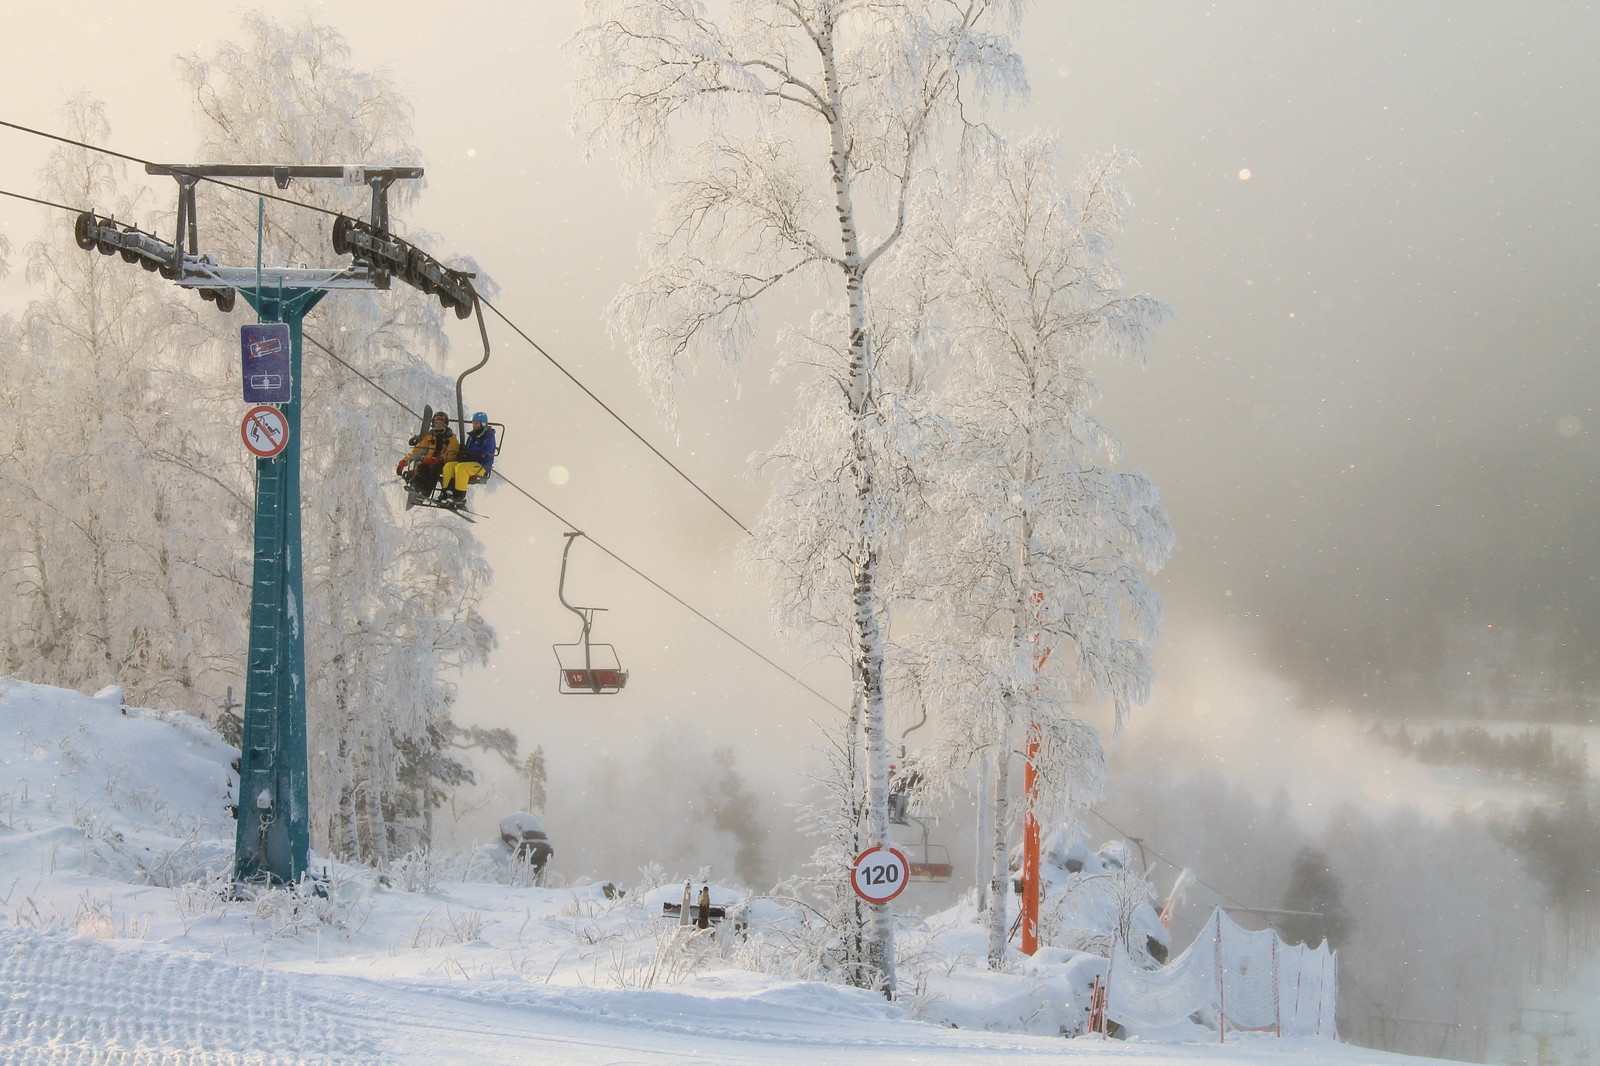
x=925 y=861
x=931 y=861
x=933 y=864
x=585 y=668
x=433 y=498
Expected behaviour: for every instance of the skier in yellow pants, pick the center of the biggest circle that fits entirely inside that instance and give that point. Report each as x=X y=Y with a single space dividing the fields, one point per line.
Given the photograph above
x=474 y=459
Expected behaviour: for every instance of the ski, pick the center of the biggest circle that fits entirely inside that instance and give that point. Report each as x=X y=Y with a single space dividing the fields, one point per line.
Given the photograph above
x=414 y=500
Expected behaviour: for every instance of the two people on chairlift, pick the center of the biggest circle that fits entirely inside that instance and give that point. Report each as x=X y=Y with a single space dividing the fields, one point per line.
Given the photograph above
x=459 y=462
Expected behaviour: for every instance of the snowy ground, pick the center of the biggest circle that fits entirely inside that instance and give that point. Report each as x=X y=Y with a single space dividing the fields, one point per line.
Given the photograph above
x=120 y=943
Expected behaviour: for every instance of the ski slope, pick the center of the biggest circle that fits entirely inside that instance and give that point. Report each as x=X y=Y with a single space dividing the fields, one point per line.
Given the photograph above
x=121 y=941
x=71 y=998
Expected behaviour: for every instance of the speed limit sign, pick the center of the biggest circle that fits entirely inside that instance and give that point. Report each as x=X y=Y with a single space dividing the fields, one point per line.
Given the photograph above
x=879 y=874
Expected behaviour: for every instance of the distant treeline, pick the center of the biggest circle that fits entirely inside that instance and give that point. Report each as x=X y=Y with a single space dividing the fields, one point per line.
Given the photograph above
x=1534 y=754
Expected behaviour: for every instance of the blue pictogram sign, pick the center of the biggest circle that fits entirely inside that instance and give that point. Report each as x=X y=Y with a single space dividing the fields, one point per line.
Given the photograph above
x=265 y=351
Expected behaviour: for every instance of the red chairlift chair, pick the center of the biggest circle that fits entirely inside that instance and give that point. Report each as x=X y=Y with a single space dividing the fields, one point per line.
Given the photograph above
x=585 y=668
x=928 y=862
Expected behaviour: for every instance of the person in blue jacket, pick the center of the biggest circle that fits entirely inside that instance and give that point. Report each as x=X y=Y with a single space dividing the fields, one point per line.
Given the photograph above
x=473 y=460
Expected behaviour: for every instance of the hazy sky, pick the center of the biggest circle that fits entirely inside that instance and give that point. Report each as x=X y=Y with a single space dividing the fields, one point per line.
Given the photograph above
x=1372 y=417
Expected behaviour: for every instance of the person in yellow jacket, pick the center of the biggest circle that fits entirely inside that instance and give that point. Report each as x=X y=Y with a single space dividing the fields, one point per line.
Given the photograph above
x=433 y=450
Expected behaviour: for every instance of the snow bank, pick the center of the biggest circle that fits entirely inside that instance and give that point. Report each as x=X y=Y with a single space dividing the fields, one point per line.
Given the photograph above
x=90 y=786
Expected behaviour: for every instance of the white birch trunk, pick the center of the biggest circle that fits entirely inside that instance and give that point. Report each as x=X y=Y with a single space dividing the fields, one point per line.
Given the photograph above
x=1000 y=870
x=868 y=636
x=984 y=860
x=377 y=828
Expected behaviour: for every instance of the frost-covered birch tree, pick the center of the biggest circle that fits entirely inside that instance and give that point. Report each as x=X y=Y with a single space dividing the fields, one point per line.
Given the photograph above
x=391 y=602
x=1037 y=552
x=805 y=125
x=125 y=509
x=116 y=530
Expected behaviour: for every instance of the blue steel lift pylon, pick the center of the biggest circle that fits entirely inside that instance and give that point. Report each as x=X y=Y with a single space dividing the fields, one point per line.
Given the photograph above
x=274 y=832
x=274 y=838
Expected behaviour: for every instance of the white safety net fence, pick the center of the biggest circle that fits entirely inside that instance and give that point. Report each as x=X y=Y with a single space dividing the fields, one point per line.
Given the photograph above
x=1230 y=978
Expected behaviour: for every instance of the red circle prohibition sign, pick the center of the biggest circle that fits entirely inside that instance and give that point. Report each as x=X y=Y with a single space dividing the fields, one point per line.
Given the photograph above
x=879 y=874
x=265 y=431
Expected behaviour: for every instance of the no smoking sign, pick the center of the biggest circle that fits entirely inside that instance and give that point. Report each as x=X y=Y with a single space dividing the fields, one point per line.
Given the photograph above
x=265 y=431
x=879 y=874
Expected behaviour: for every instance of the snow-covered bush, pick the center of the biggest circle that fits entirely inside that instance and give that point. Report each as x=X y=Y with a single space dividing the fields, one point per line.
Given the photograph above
x=1091 y=899
x=425 y=869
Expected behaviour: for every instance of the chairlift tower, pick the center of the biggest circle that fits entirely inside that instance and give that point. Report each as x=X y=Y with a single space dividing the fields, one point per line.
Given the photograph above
x=273 y=837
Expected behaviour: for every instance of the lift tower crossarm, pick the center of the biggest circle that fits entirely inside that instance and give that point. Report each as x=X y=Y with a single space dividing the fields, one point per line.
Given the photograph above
x=377 y=255
x=377 y=178
x=282 y=174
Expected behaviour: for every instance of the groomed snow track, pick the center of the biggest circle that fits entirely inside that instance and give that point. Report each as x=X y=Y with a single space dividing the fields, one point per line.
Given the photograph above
x=70 y=999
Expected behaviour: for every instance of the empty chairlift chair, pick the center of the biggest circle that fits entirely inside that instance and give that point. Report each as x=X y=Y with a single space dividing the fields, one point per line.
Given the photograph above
x=929 y=862
x=585 y=668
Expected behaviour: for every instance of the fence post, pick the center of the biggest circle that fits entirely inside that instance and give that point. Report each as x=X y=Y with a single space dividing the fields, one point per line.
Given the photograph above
x=1333 y=957
x=1277 y=1001
x=1111 y=965
x=1222 y=1008
x=1322 y=986
x=1299 y=980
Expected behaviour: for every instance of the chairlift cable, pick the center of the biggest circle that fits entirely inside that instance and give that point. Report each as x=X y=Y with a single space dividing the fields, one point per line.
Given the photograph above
x=622 y=421
x=680 y=601
x=350 y=367
x=573 y=527
x=503 y=317
x=60 y=207
x=646 y=578
x=540 y=503
x=176 y=169
x=36 y=200
x=78 y=144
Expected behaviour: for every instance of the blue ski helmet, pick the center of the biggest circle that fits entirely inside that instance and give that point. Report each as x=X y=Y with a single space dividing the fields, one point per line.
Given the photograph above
x=479 y=416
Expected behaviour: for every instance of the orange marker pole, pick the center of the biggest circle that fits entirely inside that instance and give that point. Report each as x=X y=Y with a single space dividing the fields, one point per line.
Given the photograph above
x=1030 y=814
x=1030 y=850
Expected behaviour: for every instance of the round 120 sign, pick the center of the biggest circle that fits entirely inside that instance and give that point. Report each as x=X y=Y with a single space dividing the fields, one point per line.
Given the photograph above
x=879 y=874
